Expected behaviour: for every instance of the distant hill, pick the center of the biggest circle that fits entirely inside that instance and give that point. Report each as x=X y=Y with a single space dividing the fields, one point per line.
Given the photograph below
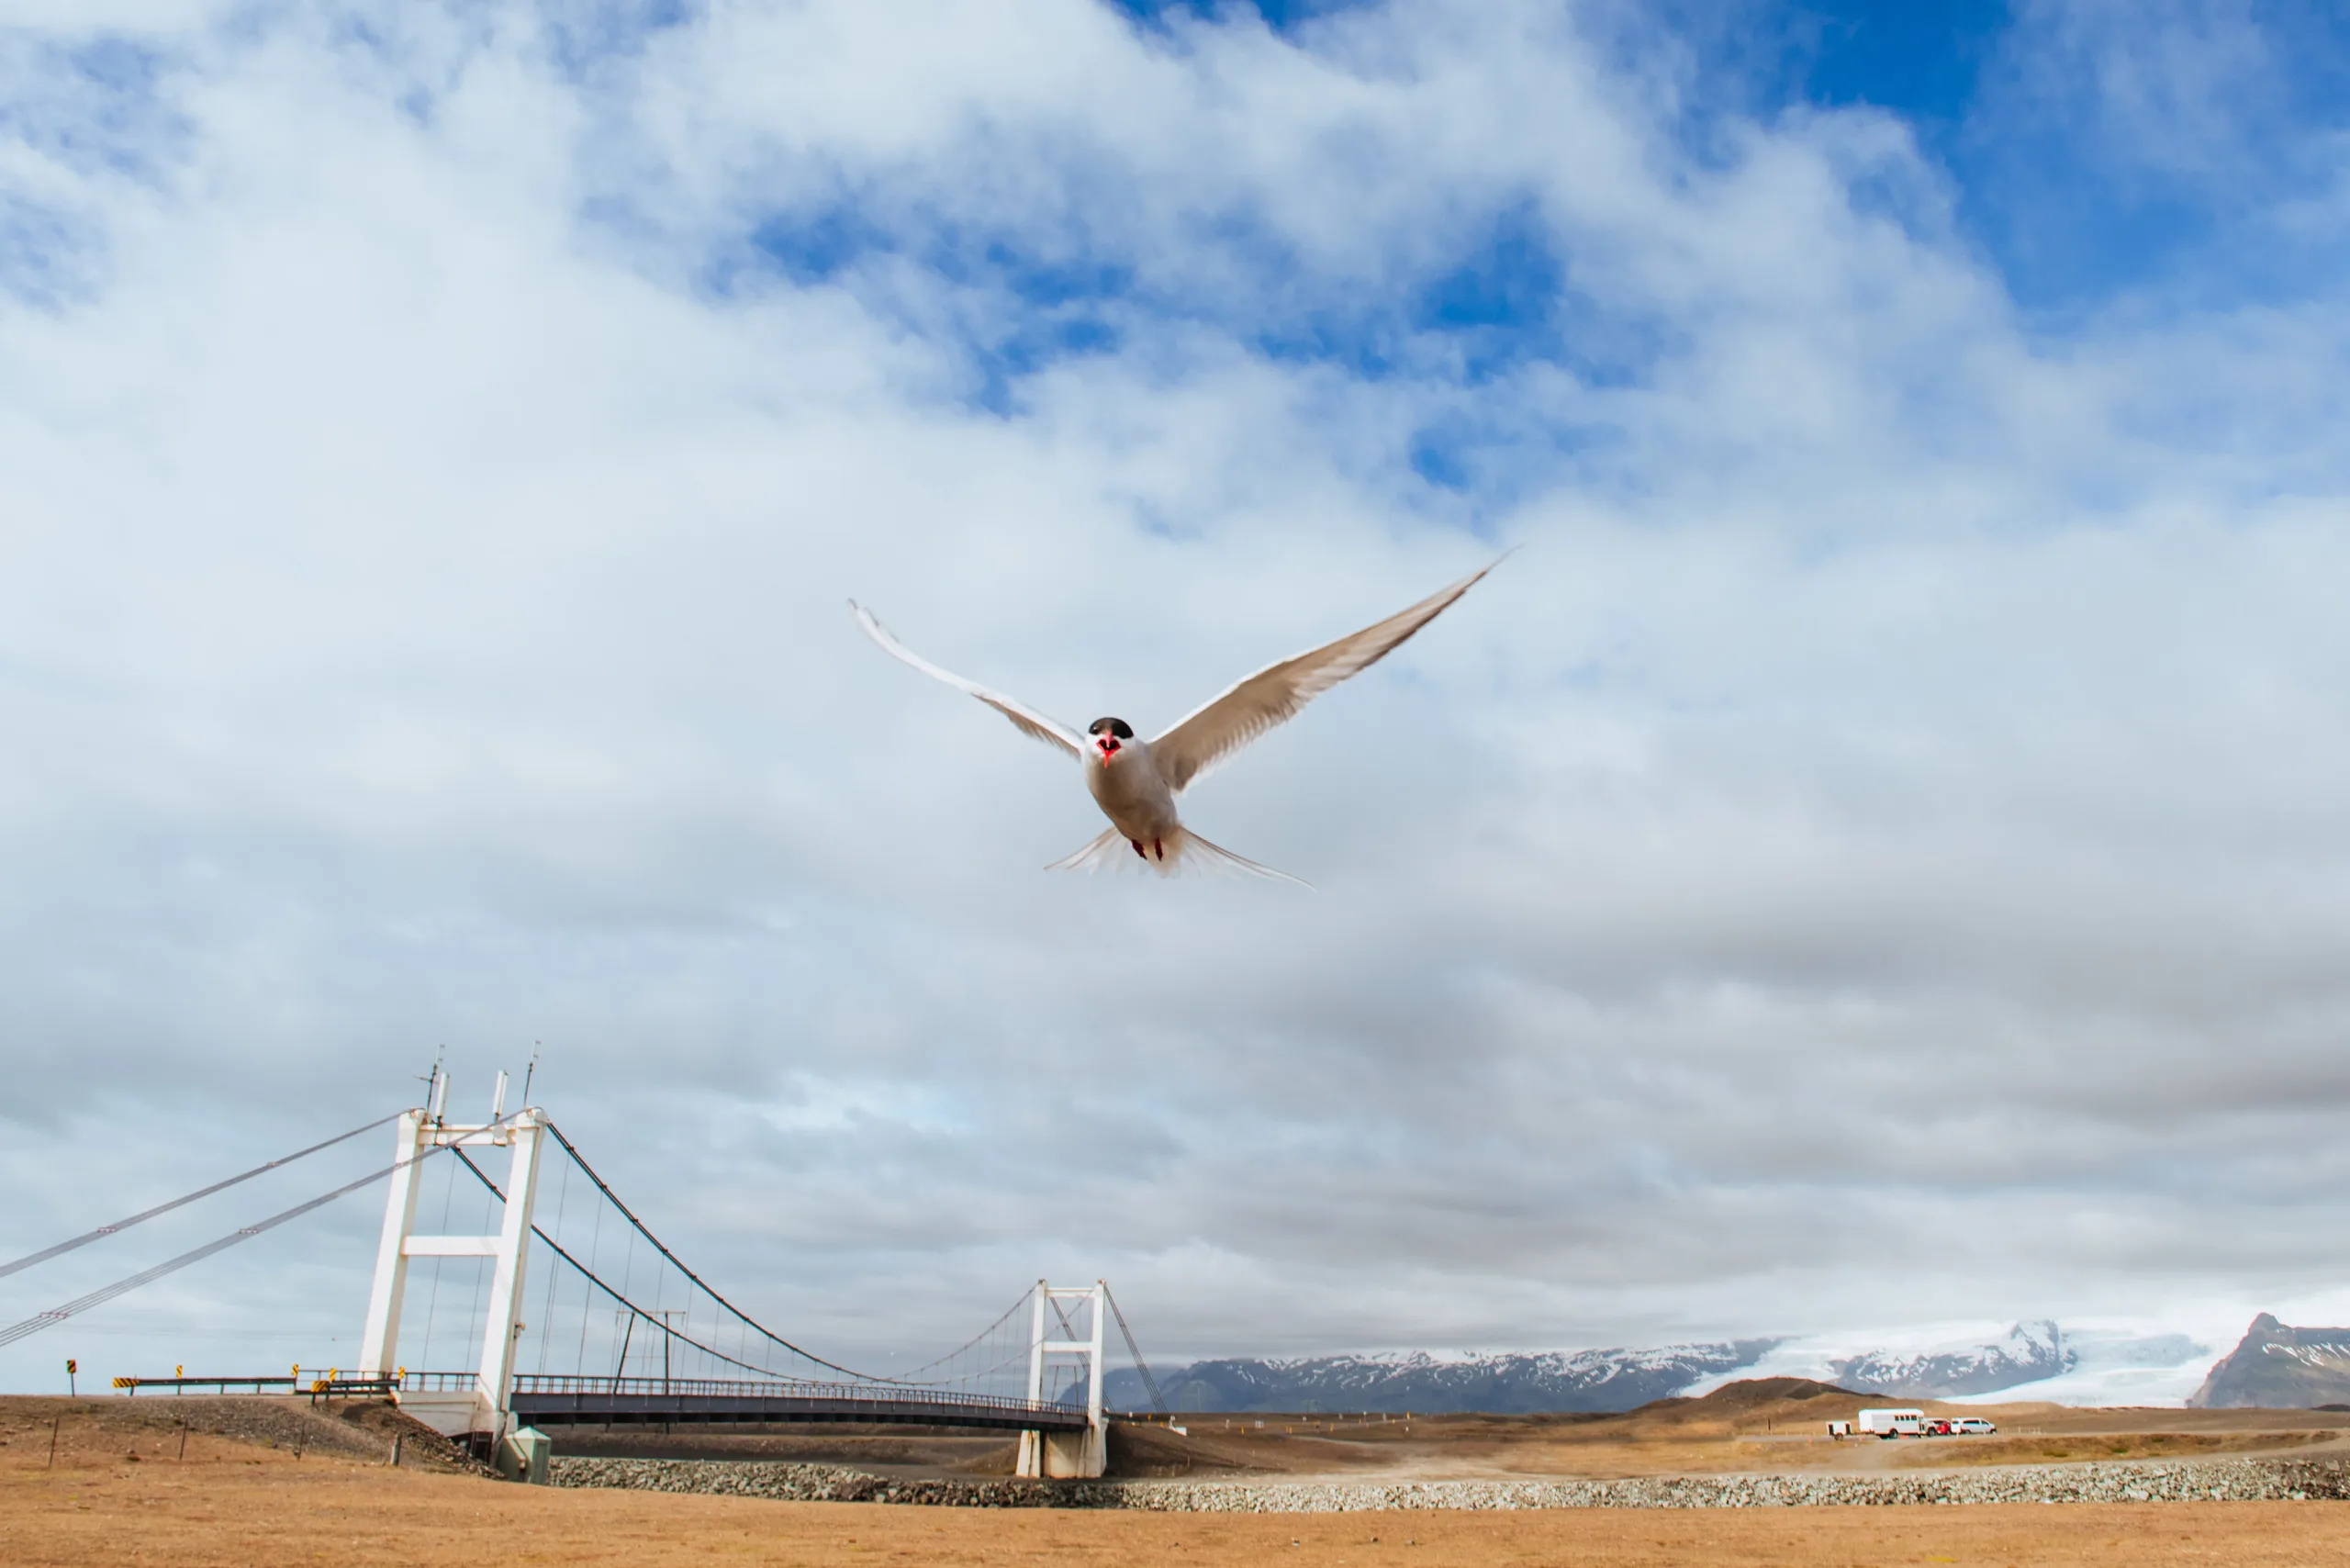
x=2279 y=1368
x=2030 y=1352
x=1755 y=1393
x=1600 y=1380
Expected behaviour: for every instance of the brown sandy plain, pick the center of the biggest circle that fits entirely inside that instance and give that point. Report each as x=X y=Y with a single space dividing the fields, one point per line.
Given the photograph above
x=295 y=1486
x=1763 y=1424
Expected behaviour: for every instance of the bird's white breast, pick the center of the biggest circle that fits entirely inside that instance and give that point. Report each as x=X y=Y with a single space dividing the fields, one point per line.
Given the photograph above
x=1128 y=789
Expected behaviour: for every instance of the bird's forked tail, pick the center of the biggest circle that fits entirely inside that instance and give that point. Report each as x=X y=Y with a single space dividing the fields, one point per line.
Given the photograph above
x=1109 y=850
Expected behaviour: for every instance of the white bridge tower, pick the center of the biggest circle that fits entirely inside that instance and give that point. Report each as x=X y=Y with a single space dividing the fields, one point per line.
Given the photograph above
x=484 y=1406
x=1056 y=1334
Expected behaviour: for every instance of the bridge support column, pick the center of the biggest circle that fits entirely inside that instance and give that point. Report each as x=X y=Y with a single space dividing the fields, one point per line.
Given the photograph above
x=484 y=1407
x=379 y=1344
x=509 y=1264
x=1067 y=1455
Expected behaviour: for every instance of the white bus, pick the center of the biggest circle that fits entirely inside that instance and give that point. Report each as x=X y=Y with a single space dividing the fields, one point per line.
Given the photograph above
x=1892 y=1423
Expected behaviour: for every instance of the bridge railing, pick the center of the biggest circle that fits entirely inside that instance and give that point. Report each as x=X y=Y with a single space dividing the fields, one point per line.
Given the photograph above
x=438 y=1382
x=745 y=1388
x=864 y=1393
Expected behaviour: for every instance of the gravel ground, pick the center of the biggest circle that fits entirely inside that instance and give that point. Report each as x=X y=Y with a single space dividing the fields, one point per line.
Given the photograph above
x=2206 y=1481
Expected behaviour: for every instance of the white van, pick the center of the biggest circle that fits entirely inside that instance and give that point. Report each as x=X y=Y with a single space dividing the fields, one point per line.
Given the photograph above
x=1970 y=1425
x=1893 y=1423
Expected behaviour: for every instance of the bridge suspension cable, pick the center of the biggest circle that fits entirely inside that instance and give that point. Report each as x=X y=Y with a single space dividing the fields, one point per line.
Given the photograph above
x=653 y=1316
x=1158 y=1400
x=57 y=1315
x=657 y=1319
x=119 y=1226
x=973 y=1340
x=630 y=1214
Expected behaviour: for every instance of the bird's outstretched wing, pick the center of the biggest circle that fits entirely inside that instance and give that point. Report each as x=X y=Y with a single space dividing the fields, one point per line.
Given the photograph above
x=1029 y=722
x=1248 y=707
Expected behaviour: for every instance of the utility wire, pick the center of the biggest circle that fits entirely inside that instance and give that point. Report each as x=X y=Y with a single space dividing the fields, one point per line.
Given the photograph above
x=122 y=1225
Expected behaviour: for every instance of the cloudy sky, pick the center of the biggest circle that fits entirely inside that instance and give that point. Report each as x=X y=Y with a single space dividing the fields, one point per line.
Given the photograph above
x=1889 y=821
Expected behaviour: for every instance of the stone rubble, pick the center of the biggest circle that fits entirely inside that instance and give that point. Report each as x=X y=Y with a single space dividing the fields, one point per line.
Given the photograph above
x=2141 y=1481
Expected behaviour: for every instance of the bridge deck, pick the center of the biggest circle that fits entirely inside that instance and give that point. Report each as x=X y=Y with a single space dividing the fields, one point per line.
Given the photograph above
x=542 y=1401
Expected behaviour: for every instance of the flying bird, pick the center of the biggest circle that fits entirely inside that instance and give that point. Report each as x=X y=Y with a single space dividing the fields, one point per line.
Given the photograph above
x=1135 y=782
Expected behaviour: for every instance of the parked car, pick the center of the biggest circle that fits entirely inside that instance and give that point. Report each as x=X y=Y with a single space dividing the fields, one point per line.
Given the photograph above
x=1971 y=1426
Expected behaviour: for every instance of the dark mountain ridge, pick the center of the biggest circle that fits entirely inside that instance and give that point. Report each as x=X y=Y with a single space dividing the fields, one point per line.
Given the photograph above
x=2277 y=1367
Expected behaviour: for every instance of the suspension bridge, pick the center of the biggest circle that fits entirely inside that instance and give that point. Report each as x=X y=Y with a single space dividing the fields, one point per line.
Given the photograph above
x=575 y=1312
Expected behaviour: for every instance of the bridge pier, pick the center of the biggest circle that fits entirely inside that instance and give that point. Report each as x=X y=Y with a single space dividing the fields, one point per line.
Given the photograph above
x=487 y=1406
x=1079 y=1455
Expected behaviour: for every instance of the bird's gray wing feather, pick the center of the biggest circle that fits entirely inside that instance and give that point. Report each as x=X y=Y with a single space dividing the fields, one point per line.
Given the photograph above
x=1025 y=719
x=1249 y=707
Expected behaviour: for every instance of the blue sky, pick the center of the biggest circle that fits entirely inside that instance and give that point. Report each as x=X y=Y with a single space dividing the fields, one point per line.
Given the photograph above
x=2020 y=110
x=442 y=439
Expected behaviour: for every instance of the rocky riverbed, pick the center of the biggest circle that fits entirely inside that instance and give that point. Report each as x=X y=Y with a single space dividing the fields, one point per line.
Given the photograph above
x=2206 y=1481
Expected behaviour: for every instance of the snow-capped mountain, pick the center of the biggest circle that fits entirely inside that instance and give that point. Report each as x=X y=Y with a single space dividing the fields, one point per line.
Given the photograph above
x=2033 y=1359
x=2024 y=1360
x=2117 y=1367
x=1586 y=1380
x=2028 y=1352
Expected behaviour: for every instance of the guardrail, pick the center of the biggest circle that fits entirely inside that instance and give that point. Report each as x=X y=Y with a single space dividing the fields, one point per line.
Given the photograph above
x=864 y=1393
x=133 y=1384
x=540 y=1398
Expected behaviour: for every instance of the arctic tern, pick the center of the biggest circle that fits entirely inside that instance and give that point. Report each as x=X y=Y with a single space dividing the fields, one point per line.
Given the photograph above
x=1135 y=782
